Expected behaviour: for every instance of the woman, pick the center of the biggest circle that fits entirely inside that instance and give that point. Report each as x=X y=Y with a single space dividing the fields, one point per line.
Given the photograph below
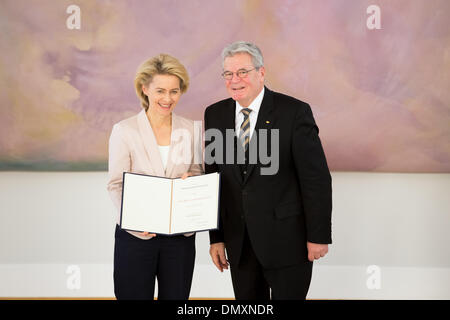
x=144 y=144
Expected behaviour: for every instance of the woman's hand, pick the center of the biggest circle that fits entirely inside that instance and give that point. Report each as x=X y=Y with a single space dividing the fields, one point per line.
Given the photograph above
x=146 y=234
x=186 y=174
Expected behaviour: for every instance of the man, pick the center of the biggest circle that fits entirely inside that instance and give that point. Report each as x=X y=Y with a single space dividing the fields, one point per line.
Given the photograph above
x=272 y=226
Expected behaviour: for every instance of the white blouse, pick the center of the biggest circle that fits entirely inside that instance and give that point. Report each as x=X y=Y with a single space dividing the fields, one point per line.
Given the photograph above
x=164 y=152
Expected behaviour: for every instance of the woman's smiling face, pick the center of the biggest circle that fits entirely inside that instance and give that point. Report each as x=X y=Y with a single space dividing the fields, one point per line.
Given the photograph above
x=163 y=93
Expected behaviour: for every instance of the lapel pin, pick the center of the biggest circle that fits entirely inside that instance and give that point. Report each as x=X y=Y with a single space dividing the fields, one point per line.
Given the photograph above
x=267 y=121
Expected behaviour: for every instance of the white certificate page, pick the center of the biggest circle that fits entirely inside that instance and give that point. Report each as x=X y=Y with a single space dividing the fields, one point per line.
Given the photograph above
x=146 y=202
x=195 y=203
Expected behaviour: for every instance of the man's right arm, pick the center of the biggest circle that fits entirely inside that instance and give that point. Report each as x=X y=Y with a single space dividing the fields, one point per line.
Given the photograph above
x=215 y=236
x=216 y=239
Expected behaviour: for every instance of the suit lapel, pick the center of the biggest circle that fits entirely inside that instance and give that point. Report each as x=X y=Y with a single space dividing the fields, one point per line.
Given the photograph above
x=150 y=144
x=266 y=118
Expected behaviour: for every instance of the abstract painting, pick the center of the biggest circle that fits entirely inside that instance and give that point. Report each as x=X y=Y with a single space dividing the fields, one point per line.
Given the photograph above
x=380 y=96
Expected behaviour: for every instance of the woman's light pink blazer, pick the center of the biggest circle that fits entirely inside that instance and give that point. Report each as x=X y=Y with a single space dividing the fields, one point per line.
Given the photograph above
x=133 y=148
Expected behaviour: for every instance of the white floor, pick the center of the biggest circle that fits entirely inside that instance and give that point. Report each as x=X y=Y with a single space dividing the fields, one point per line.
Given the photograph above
x=336 y=282
x=57 y=238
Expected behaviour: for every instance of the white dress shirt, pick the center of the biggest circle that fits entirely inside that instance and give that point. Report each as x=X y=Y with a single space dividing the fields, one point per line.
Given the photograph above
x=255 y=106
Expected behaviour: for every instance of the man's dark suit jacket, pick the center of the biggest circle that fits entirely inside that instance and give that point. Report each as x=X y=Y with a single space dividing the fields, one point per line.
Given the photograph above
x=281 y=211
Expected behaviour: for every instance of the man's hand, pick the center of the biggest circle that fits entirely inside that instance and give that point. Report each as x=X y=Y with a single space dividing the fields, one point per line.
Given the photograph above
x=316 y=250
x=217 y=252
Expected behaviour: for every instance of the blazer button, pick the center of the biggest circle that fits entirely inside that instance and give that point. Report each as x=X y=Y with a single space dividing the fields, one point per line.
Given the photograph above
x=245 y=172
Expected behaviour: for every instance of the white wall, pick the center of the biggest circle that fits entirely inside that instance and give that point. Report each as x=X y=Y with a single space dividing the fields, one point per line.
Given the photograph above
x=398 y=222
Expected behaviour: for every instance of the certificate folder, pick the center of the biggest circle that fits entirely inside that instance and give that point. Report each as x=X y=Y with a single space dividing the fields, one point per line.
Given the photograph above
x=170 y=206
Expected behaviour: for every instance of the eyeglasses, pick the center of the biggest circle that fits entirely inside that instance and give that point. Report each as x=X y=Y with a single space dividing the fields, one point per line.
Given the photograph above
x=241 y=73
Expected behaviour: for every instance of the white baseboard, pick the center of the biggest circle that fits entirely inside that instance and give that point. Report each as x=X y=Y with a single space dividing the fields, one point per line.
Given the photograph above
x=329 y=282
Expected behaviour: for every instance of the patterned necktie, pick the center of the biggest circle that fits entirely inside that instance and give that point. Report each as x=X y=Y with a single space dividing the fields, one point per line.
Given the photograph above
x=244 y=133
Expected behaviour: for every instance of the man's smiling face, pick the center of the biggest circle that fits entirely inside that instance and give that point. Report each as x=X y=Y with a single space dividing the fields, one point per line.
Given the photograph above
x=243 y=90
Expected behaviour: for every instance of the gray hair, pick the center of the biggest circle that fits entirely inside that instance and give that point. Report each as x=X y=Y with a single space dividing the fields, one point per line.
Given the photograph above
x=244 y=47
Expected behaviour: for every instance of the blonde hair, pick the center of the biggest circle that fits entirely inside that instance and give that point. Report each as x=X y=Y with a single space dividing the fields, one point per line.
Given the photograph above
x=160 y=64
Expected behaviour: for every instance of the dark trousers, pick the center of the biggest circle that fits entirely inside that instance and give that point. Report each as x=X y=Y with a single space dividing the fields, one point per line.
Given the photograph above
x=137 y=263
x=253 y=282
